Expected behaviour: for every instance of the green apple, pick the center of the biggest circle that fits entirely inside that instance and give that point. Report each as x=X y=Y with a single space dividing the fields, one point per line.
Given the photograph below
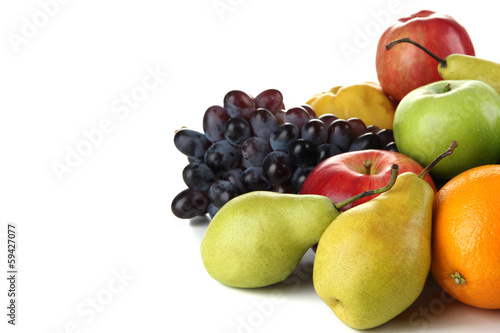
x=428 y=118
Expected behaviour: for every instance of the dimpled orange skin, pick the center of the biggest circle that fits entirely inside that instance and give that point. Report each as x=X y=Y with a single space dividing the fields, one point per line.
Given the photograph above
x=466 y=237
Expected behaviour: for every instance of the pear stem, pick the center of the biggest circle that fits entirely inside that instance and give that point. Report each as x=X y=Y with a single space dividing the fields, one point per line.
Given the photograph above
x=428 y=168
x=408 y=40
x=392 y=180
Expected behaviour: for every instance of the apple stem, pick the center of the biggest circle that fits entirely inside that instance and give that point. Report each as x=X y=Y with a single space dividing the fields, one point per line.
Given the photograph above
x=394 y=175
x=368 y=166
x=408 y=40
x=448 y=152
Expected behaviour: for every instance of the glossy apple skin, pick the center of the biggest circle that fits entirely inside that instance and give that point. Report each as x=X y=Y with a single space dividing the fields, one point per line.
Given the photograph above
x=344 y=175
x=429 y=118
x=406 y=67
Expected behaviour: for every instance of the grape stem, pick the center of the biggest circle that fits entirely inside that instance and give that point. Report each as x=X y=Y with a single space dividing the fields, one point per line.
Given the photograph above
x=392 y=180
x=180 y=129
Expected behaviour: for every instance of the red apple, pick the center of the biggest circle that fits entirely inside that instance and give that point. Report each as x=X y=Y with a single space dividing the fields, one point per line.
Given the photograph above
x=405 y=67
x=344 y=175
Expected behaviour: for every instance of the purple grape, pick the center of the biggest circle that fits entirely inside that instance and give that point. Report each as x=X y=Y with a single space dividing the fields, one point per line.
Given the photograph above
x=283 y=136
x=270 y=99
x=299 y=176
x=358 y=126
x=372 y=129
x=296 y=115
x=366 y=141
x=244 y=163
x=284 y=187
x=235 y=176
x=253 y=180
x=191 y=143
x=278 y=167
x=223 y=156
x=327 y=150
x=255 y=149
x=280 y=116
x=198 y=176
x=221 y=192
x=386 y=136
x=237 y=130
x=189 y=203
x=213 y=123
x=391 y=146
x=212 y=210
x=340 y=133
x=239 y=104
x=310 y=111
x=328 y=119
x=302 y=153
x=263 y=122
x=315 y=131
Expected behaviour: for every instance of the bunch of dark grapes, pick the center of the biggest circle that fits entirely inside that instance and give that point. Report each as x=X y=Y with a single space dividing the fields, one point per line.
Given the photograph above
x=255 y=144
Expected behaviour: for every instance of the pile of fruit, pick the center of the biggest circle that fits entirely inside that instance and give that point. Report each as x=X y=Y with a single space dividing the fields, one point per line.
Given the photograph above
x=351 y=174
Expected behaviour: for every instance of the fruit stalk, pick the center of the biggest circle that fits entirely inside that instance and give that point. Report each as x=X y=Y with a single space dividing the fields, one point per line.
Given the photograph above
x=458 y=278
x=389 y=46
x=448 y=152
x=392 y=180
x=368 y=166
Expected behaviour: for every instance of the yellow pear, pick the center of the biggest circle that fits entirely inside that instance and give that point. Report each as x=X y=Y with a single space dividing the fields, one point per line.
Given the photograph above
x=373 y=260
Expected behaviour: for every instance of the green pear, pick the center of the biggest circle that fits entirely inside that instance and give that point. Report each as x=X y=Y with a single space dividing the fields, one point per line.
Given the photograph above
x=258 y=238
x=461 y=66
x=372 y=262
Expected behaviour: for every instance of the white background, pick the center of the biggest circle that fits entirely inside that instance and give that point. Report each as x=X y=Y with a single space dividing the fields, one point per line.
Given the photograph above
x=109 y=214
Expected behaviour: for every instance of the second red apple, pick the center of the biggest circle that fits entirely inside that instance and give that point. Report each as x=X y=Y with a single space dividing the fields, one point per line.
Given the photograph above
x=405 y=67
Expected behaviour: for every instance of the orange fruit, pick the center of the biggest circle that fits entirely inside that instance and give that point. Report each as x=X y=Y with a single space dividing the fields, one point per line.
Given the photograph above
x=466 y=237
